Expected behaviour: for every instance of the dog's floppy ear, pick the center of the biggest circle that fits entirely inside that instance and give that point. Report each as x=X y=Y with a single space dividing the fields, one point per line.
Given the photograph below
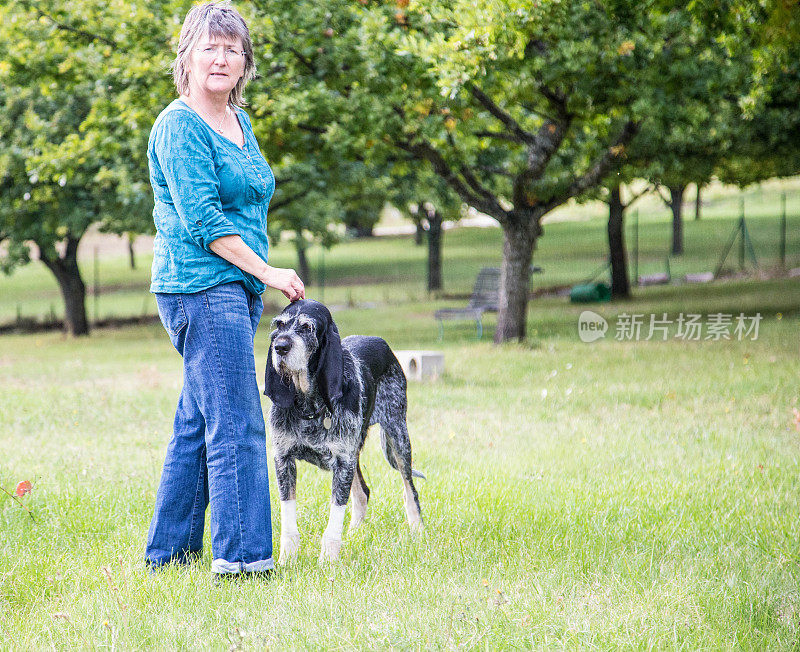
x=332 y=382
x=330 y=367
x=281 y=392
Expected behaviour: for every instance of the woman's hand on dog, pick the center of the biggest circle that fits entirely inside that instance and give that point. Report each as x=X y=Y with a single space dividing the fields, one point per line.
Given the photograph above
x=287 y=281
x=233 y=249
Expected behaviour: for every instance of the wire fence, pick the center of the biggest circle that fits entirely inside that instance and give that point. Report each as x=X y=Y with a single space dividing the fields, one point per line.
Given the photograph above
x=756 y=232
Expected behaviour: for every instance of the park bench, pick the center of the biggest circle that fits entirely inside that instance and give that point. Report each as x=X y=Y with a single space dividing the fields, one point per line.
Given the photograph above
x=485 y=298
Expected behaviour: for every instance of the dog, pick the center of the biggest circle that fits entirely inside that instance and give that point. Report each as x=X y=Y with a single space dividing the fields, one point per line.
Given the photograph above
x=326 y=392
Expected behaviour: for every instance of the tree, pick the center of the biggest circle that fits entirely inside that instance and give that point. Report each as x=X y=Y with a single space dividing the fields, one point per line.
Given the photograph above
x=767 y=143
x=518 y=107
x=752 y=134
x=429 y=202
x=615 y=228
x=686 y=141
x=78 y=89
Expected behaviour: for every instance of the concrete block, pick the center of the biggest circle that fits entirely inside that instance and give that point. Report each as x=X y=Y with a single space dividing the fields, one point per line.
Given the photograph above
x=421 y=365
x=654 y=279
x=703 y=277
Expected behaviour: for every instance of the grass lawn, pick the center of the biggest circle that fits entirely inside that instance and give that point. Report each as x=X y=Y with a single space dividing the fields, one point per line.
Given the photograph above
x=615 y=494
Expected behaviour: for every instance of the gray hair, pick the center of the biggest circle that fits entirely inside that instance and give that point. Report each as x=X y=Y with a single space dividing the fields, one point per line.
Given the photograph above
x=219 y=20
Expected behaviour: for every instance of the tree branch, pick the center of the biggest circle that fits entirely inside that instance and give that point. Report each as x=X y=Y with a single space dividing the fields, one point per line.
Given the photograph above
x=495 y=170
x=666 y=200
x=53 y=264
x=637 y=196
x=499 y=135
x=537 y=47
x=537 y=112
x=69 y=28
x=275 y=205
x=596 y=173
x=304 y=60
x=512 y=125
x=547 y=142
x=310 y=128
x=470 y=192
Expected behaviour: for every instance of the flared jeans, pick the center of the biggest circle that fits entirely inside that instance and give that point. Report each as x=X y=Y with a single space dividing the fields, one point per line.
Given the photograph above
x=217 y=456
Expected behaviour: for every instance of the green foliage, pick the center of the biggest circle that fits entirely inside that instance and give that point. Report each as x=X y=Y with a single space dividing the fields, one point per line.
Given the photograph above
x=510 y=106
x=80 y=87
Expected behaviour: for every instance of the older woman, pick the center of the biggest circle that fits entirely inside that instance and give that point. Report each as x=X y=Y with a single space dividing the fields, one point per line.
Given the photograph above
x=212 y=187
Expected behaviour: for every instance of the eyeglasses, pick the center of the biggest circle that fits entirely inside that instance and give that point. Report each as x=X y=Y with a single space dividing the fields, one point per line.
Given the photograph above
x=209 y=53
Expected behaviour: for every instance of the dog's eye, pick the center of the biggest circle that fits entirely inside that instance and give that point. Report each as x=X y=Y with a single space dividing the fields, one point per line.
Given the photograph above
x=305 y=328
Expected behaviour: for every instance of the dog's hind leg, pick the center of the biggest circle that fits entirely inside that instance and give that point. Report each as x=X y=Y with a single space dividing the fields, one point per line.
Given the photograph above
x=343 y=472
x=286 y=474
x=396 y=446
x=359 y=492
x=391 y=403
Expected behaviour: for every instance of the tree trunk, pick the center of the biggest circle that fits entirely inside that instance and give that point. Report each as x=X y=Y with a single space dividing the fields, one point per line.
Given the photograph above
x=416 y=217
x=620 y=286
x=304 y=271
x=698 y=201
x=518 y=241
x=434 y=251
x=419 y=233
x=676 y=204
x=362 y=231
x=131 y=254
x=65 y=269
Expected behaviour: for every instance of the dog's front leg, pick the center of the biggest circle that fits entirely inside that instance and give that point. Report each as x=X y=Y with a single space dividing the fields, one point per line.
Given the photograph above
x=343 y=471
x=286 y=474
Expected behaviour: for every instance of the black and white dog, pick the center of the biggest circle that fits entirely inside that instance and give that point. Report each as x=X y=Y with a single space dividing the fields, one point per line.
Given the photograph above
x=325 y=394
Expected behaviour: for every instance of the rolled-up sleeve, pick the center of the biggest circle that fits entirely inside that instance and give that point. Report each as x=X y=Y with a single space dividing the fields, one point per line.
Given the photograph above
x=187 y=165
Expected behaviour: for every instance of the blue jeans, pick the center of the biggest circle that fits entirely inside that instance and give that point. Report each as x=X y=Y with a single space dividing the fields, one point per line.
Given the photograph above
x=218 y=452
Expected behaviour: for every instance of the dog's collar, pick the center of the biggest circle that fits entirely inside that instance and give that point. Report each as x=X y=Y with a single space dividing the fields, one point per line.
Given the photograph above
x=311 y=416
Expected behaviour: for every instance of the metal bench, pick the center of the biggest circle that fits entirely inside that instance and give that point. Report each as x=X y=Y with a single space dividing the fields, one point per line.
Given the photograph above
x=485 y=298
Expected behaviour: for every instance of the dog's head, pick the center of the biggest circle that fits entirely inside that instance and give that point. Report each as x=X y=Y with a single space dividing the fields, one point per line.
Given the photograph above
x=305 y=351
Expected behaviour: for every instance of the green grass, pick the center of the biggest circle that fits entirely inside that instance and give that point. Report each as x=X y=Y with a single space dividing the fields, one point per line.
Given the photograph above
x=617 y=494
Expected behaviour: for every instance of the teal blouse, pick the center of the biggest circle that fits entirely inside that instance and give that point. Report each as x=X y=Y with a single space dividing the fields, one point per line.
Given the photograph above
x=205 y=186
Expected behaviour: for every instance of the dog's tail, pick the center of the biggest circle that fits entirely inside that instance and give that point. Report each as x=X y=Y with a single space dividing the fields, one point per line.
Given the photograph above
x=391 y=455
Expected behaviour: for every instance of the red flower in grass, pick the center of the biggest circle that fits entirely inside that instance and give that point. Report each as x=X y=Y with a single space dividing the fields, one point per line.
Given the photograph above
x=23 y=488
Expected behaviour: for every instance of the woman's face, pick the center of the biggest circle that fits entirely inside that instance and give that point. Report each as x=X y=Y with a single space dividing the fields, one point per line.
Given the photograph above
x=215 y=65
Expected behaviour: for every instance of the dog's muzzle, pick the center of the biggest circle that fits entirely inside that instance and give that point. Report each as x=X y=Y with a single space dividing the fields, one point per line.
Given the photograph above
x=289 y=354
x=282 y=345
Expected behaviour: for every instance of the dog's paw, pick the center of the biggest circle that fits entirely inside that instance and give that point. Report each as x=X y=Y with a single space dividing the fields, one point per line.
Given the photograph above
x=290 y=545
x=417 y=527
x=355 y=522
x=330 y=549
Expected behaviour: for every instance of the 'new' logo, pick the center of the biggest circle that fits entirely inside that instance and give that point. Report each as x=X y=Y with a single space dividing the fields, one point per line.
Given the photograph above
x=591 y=326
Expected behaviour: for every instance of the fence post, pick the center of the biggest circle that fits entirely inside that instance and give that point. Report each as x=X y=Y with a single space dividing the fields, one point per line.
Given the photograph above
x=783 y=231
x=636 y=247
x=321 y=272
x=96 y=292
x=741 y=227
